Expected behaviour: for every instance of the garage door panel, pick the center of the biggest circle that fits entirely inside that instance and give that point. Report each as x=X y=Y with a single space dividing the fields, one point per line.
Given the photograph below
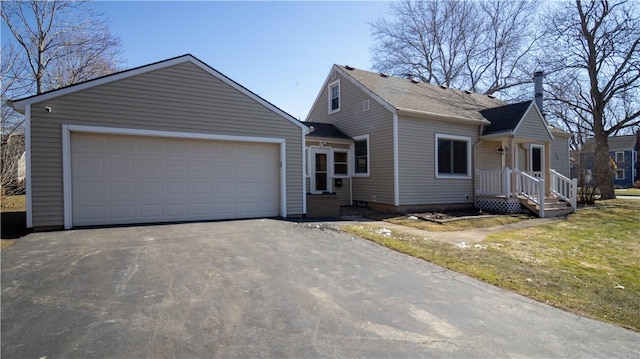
x=160 y=179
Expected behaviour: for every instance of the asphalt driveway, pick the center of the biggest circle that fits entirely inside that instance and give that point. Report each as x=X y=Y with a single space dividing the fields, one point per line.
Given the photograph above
x=266 y=288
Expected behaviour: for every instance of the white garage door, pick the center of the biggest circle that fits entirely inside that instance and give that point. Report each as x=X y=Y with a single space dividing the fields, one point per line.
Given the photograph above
x=136 y=179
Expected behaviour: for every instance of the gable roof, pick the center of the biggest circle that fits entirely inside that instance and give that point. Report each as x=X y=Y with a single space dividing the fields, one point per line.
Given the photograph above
x=616 y=143
x=20 y=104
x=325 y=130
x=505 y=118
x=419 y=98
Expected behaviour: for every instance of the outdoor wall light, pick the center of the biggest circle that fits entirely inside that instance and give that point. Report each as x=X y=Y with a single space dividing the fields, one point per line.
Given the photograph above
x=502 y=150
x=48 y=109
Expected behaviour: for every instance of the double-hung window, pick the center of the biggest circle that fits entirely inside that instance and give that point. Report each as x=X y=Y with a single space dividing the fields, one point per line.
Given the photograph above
x=361 y=155
x=340 y=164
x=334 y=96
x=453 y=156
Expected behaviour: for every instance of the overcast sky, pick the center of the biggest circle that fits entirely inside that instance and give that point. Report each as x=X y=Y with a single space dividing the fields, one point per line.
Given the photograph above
x=280 y=50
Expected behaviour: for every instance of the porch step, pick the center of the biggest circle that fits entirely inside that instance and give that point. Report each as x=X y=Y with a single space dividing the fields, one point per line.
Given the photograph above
x=553 y=207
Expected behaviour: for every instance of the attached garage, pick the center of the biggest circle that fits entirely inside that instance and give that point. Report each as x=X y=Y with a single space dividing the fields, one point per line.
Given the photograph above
x=167 y=142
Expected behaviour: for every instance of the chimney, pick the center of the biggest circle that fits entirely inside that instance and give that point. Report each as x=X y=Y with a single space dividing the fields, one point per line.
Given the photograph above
x=537 y=80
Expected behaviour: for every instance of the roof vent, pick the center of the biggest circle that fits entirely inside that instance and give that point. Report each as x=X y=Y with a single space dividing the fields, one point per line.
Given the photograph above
x=491 y=96
x=443 y=87
x=349 y=67
x=467 y=92
x=414 y=80
x=382 y=74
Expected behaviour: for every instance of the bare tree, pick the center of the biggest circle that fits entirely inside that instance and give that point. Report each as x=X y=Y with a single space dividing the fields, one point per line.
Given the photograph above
x=50 y=33
x=55 y=43
x=481 y=46
x=595 y=80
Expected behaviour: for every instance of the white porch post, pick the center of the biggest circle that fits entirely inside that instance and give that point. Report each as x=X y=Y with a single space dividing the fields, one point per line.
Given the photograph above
x=512 y=153
x=547 y=169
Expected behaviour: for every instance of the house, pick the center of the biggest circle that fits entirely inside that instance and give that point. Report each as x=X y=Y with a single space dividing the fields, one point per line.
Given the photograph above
x=623 y=150
x=403 y=145
x=171 y=141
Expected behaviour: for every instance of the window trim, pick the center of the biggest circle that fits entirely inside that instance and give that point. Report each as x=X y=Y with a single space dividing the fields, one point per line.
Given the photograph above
x=333 y=163
x=469 y=160
x=353 y=150
x=616 y=156
x=329 y=88
x=615 y=175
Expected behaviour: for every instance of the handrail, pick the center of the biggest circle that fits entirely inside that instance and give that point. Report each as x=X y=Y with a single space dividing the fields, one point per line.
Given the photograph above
x=493 y=183
x=564 y=188
x=532 y=188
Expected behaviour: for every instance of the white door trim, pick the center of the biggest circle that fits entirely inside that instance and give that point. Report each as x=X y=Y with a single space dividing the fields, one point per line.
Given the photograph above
x=542 y=156
x=312 y=170
x=66 y=156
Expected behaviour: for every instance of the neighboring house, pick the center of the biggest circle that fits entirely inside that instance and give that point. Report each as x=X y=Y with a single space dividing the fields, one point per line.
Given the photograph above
x=171 y=141
x=400 y=145
x=12 y=161
x=623 y=150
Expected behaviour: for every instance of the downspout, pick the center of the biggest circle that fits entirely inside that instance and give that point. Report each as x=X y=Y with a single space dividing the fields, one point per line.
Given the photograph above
x=473 y=164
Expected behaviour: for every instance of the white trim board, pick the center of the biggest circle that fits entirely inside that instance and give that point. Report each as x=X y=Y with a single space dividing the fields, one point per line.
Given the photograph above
x=20 y=104
x=66 y=156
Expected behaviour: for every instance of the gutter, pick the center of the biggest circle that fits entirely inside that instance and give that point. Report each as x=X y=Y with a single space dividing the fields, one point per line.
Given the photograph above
x=473 y=166
x=441 y=117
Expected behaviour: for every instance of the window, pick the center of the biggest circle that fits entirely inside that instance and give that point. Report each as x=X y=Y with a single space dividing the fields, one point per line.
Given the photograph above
x=620 y=174
x=453 y=156
x=321 y=171
x=340 y=164
x=334 y=96
x=361 y=155
x=619 y=157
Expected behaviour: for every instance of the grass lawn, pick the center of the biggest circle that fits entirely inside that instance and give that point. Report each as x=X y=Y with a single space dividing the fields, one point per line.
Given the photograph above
x=588 y=264
x=628 y=192
x=13 y=218
x=458 y=225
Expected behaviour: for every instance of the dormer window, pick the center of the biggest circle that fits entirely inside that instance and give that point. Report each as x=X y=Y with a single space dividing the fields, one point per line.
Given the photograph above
x=334 y=96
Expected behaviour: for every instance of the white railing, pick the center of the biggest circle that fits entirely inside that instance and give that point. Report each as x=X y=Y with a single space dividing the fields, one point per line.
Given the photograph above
x=564 y=188
x=531 y=188
x=493 y=183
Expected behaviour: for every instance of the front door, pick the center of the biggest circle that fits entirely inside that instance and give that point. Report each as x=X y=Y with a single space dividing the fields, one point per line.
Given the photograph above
x=320 y=170
x=536 y=161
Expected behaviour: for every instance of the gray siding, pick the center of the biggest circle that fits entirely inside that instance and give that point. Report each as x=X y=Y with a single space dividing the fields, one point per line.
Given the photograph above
x=417 y=163
x=377 y=122
x=560 y=156
x=532 y=127
x=181 y=98
x=487 y=157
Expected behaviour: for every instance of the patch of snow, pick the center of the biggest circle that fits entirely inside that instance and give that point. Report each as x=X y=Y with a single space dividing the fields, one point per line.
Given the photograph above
x=413 y=218
x=463 y=245
x=384 y=231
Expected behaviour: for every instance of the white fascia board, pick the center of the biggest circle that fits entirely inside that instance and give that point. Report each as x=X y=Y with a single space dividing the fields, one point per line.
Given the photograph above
x=329 y=140
x=366 y=90
x=442 y=117
x=20 y=104
x=540 y=116
x=497 y=135
x=247 y=92
x=324 y=85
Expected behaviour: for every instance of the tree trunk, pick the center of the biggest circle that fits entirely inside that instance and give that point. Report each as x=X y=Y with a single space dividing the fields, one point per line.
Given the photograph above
x=603 y=170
